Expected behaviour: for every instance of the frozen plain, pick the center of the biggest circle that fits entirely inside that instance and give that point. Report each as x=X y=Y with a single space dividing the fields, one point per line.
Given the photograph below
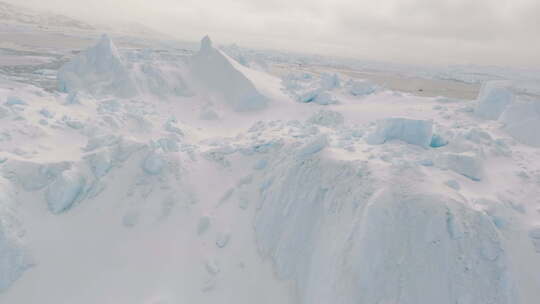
x=142 y=171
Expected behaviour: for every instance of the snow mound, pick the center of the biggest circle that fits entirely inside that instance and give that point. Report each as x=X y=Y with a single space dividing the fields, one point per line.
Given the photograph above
x=214 y=72
x=522 y=121
x=493 y=99
x=412 y=131
x=343 y=241
x=99 y=70
x=427 y=271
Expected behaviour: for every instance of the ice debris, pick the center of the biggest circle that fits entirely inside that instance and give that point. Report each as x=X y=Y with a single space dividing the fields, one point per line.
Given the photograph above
x=361 y=88
x=318 y=96
x=467 y=164
x=222 y=239
x=313 y=146
x=154 y=163
x=493 y=99
x=14 y=101
x=327 y=118
x=412 y=131
x=438 y=141
x=330 y=81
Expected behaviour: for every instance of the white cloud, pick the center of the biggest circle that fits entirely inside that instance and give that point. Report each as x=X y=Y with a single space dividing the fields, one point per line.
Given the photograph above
x=505 y=32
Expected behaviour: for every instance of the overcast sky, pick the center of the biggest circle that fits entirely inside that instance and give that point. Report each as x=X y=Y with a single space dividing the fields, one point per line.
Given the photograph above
x=498 y=32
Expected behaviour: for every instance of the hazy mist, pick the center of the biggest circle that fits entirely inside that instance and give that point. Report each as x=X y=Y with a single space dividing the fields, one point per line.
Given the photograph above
x=503 y=32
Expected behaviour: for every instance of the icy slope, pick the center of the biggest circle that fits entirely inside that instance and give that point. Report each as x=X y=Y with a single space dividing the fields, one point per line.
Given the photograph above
x=347 y=237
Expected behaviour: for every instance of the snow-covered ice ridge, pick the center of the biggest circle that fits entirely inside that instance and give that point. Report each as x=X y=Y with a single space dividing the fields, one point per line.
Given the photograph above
x=157 y=179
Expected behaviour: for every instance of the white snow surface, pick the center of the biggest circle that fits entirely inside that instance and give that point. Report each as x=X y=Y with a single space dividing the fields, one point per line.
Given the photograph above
x=154 y=177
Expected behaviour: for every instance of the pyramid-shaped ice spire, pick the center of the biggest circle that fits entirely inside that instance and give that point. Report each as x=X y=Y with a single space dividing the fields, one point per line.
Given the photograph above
x=104 y=54
x=206 y=44
x=99 y=70
x=213 y=70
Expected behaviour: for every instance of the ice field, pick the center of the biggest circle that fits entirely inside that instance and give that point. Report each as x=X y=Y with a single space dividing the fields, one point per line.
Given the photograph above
x=149 y=171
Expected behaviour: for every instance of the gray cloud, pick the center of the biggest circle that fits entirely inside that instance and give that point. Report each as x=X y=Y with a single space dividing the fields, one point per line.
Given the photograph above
x=502 y=32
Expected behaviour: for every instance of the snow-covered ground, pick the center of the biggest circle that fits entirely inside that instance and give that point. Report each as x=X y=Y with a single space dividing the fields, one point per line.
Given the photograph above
x=137 y=171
